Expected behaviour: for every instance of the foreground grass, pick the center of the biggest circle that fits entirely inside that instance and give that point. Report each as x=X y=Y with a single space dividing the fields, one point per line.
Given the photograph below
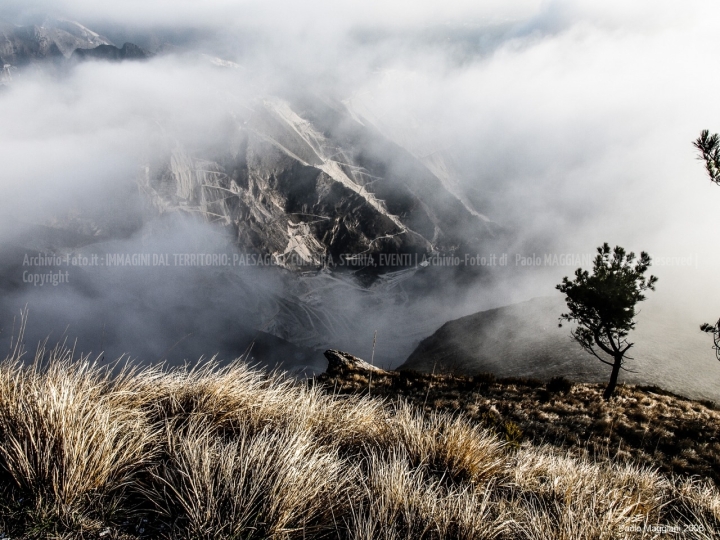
x=229 y=452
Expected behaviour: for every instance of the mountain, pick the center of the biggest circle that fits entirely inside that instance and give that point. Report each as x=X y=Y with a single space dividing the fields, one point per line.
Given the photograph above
x=296 y=181
x=53 y=39
x=299 y=182
x=524 y=340
x=304 y=180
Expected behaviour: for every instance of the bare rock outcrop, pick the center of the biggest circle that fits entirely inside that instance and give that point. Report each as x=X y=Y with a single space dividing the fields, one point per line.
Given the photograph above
x=341 y=362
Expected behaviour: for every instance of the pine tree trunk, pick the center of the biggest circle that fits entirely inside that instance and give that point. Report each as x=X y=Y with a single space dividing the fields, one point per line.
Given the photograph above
x=613 y=378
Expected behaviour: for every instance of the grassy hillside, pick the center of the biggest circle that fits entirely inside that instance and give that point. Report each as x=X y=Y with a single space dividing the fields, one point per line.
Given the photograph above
x=645 y=425
x=232 y=453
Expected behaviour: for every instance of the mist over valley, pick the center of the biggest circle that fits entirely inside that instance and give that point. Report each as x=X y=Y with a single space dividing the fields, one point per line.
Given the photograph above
x=230 y=183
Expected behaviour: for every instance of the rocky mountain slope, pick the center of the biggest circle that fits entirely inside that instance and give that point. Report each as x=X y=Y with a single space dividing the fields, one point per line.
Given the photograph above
x=52 y=39
x=304 y=181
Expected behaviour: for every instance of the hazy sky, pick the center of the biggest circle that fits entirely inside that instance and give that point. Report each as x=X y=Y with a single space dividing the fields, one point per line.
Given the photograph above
x=568 y=121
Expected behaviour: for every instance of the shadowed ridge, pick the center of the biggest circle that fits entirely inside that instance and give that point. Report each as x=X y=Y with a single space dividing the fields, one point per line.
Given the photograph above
x=129 y=51
x=524 y=340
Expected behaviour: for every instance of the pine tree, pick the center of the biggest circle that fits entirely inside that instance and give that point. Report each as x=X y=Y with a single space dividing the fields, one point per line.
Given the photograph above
x=709 y=146
x=603 y=305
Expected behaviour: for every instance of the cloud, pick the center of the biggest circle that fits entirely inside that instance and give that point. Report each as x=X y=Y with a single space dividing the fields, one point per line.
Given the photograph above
x=569 y=123
x=580 y=136
x=277 y=14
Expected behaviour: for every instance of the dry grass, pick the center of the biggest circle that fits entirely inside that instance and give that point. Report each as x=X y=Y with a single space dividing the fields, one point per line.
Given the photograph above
x=644 y=425
x=69 y=438
x=228 y=452
x=273 y=484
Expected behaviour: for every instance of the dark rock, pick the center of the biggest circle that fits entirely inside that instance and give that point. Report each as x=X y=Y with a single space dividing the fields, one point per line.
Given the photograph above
x=129 y=51
x=341 y=362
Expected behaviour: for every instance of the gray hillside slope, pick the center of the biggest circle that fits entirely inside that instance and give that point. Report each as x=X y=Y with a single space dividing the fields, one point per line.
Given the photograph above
x=524 y=340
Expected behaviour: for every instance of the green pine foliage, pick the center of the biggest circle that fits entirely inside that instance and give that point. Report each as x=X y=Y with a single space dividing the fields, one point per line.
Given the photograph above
x=603 y=305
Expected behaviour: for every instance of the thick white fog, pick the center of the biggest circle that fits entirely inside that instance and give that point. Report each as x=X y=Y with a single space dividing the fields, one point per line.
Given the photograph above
x=568 y=124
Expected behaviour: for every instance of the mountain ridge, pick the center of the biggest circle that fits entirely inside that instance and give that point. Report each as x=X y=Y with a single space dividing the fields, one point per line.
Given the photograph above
x=525 y=340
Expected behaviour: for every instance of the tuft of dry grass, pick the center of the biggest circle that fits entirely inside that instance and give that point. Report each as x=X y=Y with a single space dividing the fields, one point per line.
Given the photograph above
x=69 y=437
x=228 y=452
x=273 y=484
x=402 y=500
x=450 y=445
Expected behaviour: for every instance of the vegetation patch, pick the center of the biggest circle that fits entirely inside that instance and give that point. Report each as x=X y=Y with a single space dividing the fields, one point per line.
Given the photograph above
x=639 y=425
x=228 y=452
